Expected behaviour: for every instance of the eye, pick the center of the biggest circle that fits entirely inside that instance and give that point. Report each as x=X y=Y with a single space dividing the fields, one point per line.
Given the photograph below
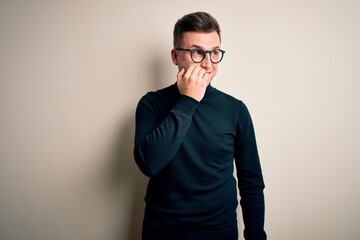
x=216 y=52
x=198 y=52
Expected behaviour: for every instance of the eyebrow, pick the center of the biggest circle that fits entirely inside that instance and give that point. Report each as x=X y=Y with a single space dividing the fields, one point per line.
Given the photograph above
x=197 y=46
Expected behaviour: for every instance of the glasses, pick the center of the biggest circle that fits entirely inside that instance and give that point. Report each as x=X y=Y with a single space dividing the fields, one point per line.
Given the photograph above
x=198 y=55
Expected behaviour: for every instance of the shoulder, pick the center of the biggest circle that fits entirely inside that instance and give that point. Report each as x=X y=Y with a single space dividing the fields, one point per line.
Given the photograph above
x=163 y=93
x=229 y=100
x=233 y=106
x=161 y=99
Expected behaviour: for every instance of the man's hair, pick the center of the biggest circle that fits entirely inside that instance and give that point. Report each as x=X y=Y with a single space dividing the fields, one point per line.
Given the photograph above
x=195 y=22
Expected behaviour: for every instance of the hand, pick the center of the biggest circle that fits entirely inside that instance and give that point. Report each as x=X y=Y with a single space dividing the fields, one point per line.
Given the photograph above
x=193 y=82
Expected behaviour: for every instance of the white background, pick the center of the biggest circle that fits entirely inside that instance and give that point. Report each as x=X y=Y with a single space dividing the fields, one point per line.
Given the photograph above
x=72 y=72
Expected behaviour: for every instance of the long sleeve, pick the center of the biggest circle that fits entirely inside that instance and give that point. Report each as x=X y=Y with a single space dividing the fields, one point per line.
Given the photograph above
x=250 y=179
x=157 y=137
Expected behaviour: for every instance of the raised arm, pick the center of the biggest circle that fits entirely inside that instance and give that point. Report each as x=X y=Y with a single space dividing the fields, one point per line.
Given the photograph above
x=156 y=142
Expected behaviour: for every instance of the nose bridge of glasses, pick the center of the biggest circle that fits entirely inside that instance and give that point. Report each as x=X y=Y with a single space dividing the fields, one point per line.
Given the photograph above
x=205 y=54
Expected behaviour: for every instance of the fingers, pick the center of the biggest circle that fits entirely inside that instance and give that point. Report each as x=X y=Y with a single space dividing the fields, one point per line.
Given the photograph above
x=206 y=78
x=195 y=73
x=193 y=81
x=181 y=74
x=189 y=72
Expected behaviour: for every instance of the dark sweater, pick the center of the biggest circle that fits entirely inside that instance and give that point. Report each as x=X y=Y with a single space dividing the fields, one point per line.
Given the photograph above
x=187 y=148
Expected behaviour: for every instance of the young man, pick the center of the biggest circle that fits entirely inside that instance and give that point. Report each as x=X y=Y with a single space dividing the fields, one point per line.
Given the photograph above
x=187 y=137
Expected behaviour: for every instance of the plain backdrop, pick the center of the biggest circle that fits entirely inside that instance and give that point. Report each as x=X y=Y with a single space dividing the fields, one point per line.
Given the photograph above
x=72 y=72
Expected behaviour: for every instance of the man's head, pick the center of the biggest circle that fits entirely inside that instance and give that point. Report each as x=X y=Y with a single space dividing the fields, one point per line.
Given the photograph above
x=197 y=34
x=195 y=22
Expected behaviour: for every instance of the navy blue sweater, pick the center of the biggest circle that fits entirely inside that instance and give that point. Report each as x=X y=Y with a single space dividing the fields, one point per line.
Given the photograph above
x=187 y=148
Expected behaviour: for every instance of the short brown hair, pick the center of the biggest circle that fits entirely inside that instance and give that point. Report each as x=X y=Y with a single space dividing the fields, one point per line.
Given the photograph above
x=195 y=22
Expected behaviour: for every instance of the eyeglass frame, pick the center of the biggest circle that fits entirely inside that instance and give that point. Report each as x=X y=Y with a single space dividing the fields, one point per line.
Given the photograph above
x=205 y=52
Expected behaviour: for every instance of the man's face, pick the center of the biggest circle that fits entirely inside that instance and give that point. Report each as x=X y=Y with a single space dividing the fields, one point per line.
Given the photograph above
x=190 y=40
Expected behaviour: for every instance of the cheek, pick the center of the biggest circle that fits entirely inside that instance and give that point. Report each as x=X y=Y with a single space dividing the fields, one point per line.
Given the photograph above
x=214 y=72
x=185 y=61
x=215 y=69
x=185 y=64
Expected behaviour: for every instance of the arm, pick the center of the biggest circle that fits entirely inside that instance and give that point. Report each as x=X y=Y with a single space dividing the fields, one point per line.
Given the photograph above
x=250 y=179
x=156 y=143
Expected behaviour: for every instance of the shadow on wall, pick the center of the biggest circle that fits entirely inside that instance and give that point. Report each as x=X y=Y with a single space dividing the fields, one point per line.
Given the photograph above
x=125 y=178
x=123 y=170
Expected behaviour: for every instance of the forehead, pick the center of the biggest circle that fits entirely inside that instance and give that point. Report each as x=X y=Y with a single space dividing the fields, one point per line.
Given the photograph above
x=204 y=40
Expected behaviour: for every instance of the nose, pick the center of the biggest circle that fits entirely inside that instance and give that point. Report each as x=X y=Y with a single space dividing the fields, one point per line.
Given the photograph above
x=206 y=63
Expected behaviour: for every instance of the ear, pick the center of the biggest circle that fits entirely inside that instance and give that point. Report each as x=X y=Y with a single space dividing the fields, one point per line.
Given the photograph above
x=174 y=57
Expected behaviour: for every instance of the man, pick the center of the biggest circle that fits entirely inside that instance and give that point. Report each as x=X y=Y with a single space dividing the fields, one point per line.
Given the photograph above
x=187 y=137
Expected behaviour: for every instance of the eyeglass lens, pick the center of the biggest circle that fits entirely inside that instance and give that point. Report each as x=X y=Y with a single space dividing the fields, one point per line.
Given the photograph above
x=198 y=55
